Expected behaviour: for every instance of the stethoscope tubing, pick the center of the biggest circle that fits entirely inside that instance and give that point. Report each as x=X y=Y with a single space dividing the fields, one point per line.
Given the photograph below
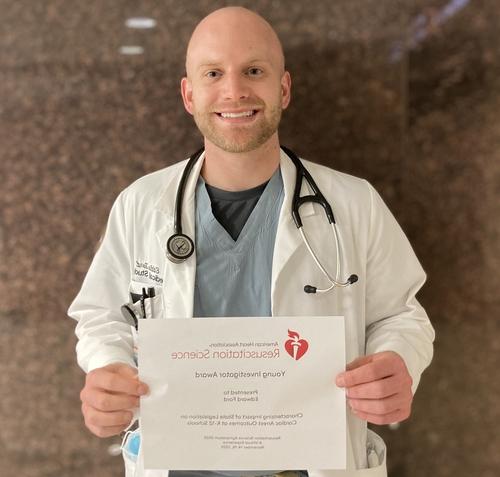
x=335 y=282
x=317 y=196
x=186 y=246
x=179 y=197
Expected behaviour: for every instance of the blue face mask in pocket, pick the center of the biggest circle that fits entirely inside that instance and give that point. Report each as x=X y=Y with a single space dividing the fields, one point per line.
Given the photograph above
x=131 y=444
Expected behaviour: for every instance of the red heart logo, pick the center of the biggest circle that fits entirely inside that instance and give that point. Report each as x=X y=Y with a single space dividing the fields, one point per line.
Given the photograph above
x=295 y=346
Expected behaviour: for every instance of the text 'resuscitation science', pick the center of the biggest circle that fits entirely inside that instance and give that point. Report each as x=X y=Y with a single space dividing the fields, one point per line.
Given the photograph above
x=226 y=354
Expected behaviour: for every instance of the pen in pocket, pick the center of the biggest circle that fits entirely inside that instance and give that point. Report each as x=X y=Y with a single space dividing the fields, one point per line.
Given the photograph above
x=143 y=306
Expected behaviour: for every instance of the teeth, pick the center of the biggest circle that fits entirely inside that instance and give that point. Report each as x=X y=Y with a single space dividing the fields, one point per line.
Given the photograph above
x=237 y=115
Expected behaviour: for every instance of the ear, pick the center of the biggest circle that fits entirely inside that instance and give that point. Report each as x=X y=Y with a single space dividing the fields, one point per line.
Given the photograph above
x=286 y=89
x=187 y=94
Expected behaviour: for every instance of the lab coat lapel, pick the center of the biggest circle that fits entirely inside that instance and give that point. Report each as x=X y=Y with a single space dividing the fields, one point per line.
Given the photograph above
x=288 y=239
x=178 y=279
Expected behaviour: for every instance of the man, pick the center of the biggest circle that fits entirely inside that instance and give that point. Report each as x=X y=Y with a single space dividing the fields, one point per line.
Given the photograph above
x=236 y=87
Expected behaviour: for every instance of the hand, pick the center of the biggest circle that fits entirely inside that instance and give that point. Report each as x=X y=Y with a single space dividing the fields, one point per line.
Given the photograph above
x=378 y=388
x=109 y=397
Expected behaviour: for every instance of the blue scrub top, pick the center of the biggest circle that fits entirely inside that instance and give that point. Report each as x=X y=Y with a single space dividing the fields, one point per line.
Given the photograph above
x=233 y=278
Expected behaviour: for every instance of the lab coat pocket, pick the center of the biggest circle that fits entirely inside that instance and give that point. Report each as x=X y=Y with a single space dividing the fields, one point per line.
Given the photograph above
x=153 y=306
x=376 y=454
x=138 y=309
x=136 y=288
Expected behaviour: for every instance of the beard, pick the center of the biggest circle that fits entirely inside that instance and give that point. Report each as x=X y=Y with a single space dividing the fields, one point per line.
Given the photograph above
x=243 y=138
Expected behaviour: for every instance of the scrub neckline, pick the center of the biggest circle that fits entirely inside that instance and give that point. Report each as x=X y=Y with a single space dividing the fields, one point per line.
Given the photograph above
x=206 y=219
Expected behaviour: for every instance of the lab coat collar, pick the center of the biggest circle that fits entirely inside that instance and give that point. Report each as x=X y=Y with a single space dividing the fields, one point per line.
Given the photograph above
x=288 y=239
x=289 y=174
x=178 y=291
x=166 y=201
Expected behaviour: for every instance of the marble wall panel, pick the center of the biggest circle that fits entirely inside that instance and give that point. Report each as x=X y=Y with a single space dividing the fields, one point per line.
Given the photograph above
x=451 y=212
x=405 y=94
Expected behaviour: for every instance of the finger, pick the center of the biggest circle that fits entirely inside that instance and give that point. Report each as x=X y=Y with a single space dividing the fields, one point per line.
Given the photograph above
x=111 y=381
x=123 y=369
x=379 y=389
x=106 y=431
x=97 y=418
x=372 y=371
x=359 y=361
x=104 y=401
x=129 y=372
x=379 y=407
x=396 y=416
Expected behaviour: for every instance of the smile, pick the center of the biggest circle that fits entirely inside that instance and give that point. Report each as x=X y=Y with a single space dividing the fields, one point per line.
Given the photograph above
x=242 y=114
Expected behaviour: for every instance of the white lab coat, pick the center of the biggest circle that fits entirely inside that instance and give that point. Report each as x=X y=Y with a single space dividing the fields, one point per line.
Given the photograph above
x=381 y=311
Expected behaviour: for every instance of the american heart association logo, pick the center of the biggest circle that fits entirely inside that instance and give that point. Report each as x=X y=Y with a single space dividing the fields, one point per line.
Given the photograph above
x=296 y=347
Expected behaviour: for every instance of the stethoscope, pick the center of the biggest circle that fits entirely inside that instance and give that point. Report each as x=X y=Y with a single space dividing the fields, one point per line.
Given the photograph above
x=180 y=247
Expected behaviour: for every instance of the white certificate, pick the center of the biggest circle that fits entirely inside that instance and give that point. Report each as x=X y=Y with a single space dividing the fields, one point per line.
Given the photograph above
x=243 y=393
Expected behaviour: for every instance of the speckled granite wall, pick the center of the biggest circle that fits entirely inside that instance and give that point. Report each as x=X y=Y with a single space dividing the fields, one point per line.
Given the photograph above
x=404 y=93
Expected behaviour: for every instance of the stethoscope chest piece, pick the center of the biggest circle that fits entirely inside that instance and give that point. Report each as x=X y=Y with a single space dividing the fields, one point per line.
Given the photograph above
x=179 y=248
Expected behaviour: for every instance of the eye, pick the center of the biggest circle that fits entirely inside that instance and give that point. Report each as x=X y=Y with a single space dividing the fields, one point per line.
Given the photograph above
x=212 y=74
x=254 y=71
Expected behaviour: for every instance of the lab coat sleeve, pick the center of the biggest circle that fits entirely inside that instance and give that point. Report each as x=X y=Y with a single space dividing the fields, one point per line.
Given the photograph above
x=395 y=319
x=104 y=337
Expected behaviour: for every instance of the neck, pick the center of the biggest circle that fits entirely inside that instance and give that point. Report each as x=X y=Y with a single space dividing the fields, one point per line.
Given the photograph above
x=240 y=171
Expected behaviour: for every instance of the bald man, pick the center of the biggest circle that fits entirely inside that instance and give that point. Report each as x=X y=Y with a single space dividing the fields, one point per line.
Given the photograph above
x=236 y=91
x=236 y=88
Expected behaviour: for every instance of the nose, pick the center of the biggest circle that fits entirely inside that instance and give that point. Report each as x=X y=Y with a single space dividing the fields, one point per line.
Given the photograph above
x=235 y=87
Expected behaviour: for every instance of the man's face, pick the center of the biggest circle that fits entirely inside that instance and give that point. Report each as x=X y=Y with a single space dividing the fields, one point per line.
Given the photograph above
x=236 y=89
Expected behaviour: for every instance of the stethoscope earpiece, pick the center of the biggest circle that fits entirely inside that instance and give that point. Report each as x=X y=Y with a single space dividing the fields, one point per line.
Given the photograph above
x=310 y=289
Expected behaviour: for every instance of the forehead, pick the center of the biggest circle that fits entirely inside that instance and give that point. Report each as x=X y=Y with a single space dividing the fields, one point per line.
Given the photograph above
x=232 y=43
x=233 y=56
